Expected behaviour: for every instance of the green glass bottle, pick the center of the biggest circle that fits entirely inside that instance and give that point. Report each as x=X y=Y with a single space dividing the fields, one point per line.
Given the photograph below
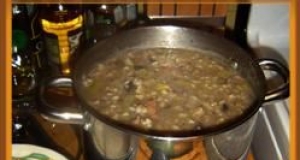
x=24 y=81
x=23 y=68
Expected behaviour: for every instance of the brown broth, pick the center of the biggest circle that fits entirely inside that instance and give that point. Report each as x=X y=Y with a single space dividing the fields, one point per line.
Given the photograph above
x=167 y=89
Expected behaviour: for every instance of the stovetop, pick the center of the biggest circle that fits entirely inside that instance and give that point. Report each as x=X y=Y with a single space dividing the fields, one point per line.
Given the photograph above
x=66 y=140
x=271 y=137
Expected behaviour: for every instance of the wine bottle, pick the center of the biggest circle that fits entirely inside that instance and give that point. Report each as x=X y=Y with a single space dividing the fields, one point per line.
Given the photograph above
x=62 y=28
x=23 y=68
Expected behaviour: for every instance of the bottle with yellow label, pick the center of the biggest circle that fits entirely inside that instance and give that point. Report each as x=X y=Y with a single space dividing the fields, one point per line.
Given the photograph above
x=62 y=28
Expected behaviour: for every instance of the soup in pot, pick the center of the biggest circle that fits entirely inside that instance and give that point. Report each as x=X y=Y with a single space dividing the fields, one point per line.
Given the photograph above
x=167 y=89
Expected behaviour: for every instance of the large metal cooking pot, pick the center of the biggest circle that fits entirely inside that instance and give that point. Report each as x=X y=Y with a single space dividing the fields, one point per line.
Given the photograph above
x=168 y=36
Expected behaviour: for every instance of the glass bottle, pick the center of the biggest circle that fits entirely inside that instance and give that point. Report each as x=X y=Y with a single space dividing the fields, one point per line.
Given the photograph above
x=23 y=68
x=103 y=21
x=21 y=122
x=88 y=24
x=23 y=73
x=36 y=38
x=131 y=14
x=62 y=28
x=136 y=15
x=24 y=77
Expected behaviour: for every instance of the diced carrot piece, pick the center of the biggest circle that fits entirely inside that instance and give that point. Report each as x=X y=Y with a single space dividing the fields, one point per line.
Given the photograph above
x=151 y=108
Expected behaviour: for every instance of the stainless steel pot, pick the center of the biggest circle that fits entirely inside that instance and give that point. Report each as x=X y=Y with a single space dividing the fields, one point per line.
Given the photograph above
x=168 y=36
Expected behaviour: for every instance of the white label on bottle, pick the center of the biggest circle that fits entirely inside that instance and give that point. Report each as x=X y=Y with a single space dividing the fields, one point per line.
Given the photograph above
x=74 y=41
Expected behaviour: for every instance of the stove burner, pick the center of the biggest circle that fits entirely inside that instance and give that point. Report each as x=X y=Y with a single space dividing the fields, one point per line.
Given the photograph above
x=198 y=153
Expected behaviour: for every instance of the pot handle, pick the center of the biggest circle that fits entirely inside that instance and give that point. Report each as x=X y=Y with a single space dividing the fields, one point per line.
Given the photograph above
x=59 y=114
x=282 y=91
